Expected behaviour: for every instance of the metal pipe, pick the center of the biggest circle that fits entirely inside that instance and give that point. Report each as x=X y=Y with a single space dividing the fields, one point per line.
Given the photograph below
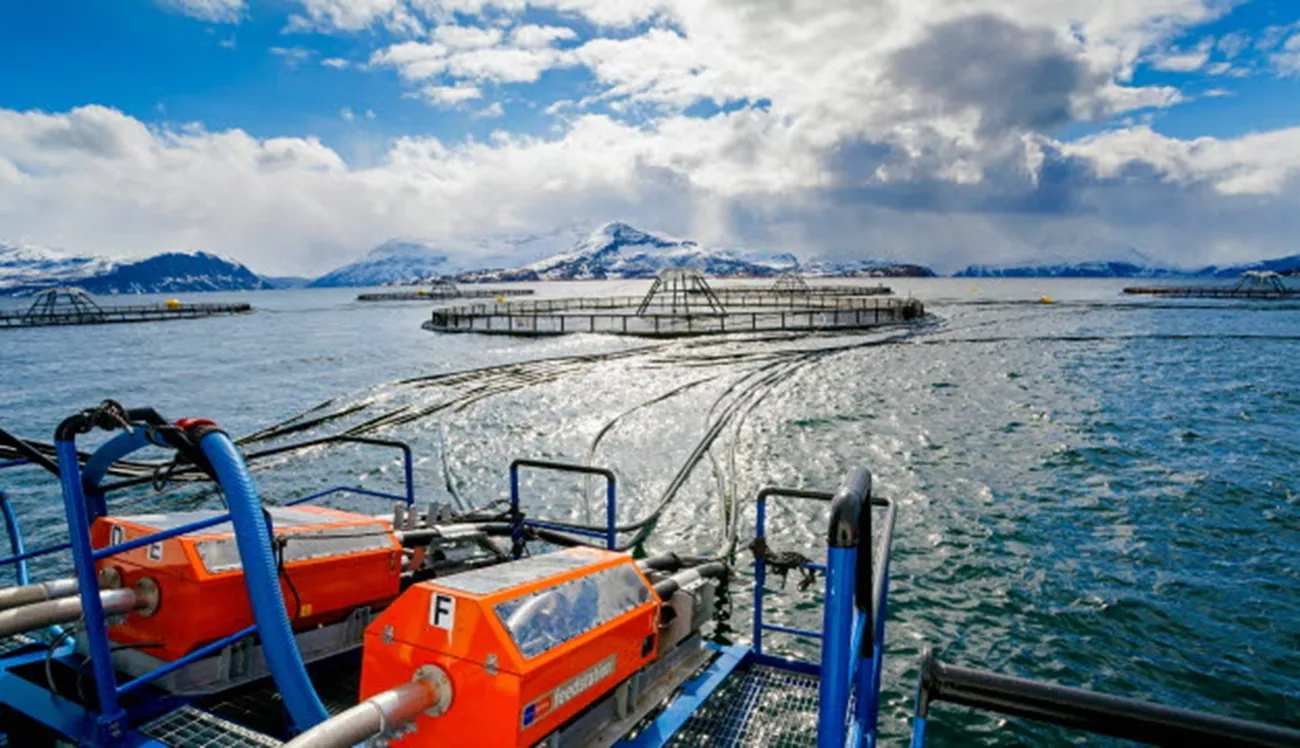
x=64 y=610
x=1129 y=719
x=14 y=597
x=665 y=588
x=372 y=717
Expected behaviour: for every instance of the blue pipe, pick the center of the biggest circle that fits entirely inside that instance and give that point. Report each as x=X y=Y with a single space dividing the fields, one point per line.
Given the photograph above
x=253 y=538
x=517 y=526
x=611 y=514
x=760 y=574
x=15 y=541
x=111 y=714
x=838 y=657
x=98 y=464
x=918 y=732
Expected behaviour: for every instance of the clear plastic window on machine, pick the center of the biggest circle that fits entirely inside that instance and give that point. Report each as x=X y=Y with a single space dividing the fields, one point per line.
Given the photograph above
x=547 y=618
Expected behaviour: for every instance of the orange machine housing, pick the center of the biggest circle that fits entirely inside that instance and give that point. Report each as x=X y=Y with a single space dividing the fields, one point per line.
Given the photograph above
x=337 y=561
x=527 y=644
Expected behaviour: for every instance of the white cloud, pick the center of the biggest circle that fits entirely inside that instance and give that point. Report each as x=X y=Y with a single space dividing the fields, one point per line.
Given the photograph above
x=466 y=37
x=1233 y=44
x=471 y=53
x=293 y=56
x=1187 y=60
x=929 y=125
x=346 y=114
x=531 y=36
x=214 y=11
x=293 y=205
x=490 y=111
x=338 y=63
x=450 y=96
x=1262 y=164
x=1287 y=59
x=354 y=15
x=1183 y=62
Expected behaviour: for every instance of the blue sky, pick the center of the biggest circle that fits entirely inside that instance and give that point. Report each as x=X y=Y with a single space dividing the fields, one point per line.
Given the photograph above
x=294 y=134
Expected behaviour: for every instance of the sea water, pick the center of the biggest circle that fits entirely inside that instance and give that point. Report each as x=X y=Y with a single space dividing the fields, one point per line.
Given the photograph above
x=1099 y=492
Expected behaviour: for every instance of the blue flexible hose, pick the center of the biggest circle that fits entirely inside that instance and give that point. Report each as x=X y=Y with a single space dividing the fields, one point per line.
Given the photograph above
x=253 y=538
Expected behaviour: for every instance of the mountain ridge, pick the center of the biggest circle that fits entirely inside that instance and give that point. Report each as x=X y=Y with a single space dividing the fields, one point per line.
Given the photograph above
x=26 y=269
x=617 y=250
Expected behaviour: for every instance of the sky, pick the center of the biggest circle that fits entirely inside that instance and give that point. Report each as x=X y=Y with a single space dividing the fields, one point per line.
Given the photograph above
x=294 y=135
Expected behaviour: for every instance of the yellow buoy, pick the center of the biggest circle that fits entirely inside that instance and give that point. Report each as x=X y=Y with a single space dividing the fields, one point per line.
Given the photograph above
x=1047 y=300
x=501 y=299
x=173 y=304
x=420 y=292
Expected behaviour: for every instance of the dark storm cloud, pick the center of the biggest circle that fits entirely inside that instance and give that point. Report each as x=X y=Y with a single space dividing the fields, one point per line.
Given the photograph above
x=1017 y=78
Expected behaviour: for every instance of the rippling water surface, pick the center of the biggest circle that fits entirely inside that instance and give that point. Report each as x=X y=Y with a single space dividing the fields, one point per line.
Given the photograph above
x=1101 y=492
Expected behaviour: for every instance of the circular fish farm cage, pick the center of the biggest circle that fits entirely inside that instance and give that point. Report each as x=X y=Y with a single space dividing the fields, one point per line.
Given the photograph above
x=680 y=303
x=1253 y=284
x=73 y=306
x=441 y=290
x=797 y=285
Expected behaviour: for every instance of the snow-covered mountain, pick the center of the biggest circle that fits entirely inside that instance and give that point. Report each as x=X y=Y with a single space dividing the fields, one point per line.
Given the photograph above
x=32 y=266
x=617 y=250
x=26 y=269
x=393 y=261
x=865 y=269
x=1068 y=270
x=1289 y=265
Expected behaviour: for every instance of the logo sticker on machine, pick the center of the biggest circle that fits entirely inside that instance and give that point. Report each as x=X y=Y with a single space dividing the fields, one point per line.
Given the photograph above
x=155 y=552
x=569 y=690
x=442 y=611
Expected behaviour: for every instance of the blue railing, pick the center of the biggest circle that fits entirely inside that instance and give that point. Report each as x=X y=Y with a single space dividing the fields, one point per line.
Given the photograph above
x=18 y=553
x=853 y=618
x=609 y=535
x=80 y=510
x=16 y=548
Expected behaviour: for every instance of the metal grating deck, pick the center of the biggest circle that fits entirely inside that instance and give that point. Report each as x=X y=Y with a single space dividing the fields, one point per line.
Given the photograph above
x=188 y=727
x=760 y=706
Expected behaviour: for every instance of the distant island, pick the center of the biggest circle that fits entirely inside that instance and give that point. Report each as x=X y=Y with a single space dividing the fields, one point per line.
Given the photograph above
x=1289 y=265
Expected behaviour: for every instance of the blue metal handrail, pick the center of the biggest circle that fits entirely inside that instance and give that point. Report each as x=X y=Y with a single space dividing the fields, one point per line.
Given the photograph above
x=19 y=555
x=760 y=566
x=16 y=546
x=611 y=502
x=854 y=614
